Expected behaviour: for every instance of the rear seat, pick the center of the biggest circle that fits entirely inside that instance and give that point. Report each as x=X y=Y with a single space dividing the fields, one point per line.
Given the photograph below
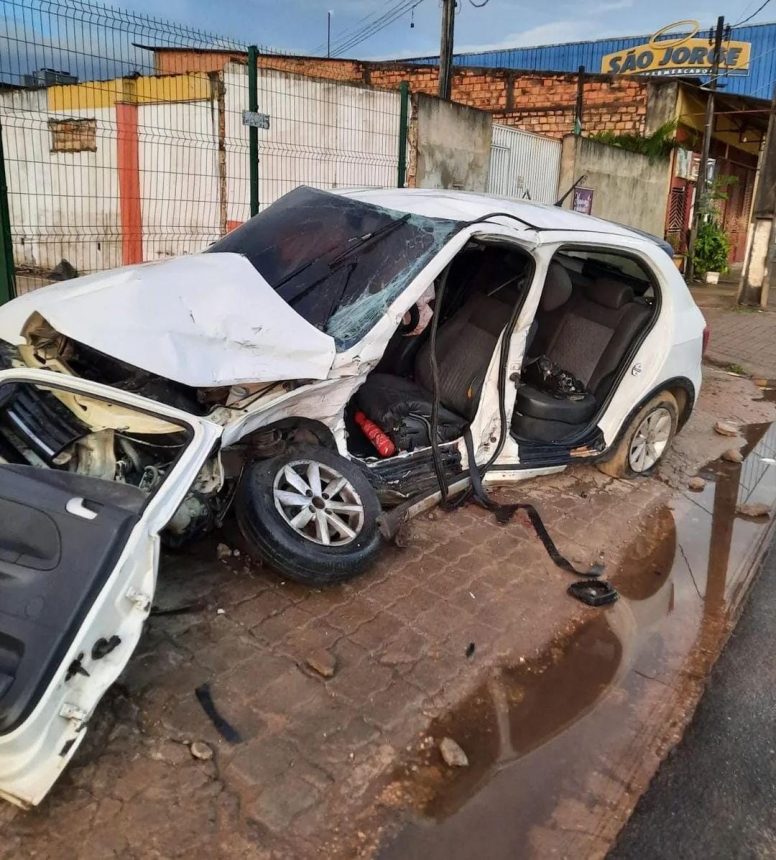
x=588 y=336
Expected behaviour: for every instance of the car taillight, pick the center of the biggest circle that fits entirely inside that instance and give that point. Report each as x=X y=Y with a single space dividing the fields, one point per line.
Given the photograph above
x=706 y=336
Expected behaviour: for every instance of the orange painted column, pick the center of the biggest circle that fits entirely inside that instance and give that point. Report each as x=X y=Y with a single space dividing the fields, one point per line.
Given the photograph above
x=129 y=184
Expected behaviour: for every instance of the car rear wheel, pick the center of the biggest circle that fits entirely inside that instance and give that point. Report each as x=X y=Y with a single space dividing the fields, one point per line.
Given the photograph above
x=645 y=439
x=311 y=514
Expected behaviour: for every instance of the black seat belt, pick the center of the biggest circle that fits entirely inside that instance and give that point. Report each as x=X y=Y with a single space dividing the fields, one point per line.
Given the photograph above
x=505 y=512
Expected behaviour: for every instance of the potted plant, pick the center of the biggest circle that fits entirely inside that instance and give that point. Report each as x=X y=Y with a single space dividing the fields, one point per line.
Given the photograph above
x=712 y=248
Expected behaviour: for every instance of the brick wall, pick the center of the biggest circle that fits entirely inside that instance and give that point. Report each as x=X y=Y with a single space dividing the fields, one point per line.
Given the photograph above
x=542 y=102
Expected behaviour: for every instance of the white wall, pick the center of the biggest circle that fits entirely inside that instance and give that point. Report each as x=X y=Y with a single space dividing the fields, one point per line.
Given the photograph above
x=322 y=133
x=62 y=204
x=179 y=187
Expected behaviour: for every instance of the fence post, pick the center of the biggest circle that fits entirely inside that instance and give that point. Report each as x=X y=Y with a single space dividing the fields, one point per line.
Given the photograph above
x=7 y=271
x=253 y=132
x=404 y=90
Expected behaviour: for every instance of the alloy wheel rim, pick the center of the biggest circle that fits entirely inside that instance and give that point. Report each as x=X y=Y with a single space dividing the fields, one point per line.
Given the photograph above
x=650 y=440
x=318 y=503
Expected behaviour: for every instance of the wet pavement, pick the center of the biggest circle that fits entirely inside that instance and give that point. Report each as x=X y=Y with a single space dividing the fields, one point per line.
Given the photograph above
x=713 y=797
x=564 y=711
x=560 y=747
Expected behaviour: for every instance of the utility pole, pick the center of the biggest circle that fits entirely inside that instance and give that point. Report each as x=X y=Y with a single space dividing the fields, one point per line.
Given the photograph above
x=446 y=50
x=756 y=275
x=328 y=32
x=708 y=129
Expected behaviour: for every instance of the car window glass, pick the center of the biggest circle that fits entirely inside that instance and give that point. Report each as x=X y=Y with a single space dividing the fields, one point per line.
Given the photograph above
x=588 y=265
x=338 y=262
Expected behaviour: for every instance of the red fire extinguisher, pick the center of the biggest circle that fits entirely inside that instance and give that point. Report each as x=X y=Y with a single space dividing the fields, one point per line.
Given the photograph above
x=384 y=446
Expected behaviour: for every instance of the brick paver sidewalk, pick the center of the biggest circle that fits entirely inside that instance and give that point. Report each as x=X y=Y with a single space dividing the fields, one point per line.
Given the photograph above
x=409 y=639
x=743 y=337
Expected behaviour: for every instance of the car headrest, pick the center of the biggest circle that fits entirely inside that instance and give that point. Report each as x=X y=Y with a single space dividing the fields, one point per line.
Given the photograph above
x=557 y=287
x=609 y=293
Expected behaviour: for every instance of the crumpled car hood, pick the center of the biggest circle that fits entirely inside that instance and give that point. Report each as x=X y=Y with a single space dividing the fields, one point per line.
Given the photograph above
x=205 y=320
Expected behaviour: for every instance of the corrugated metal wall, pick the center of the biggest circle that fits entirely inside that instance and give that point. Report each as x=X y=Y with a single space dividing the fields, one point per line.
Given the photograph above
x=570 y=56
x=524 y=166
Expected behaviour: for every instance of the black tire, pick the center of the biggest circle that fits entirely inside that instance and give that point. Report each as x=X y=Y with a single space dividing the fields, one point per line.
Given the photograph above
x=272 y=538
x=616 y=461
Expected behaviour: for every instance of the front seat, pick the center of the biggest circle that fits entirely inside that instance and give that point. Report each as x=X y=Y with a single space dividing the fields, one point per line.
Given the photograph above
x=465 y=345
x=590 y=336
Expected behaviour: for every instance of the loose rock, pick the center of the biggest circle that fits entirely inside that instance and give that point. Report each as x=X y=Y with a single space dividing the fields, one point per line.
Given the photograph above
x=201 y=750
x=696 y=484
x=755 y=509
x=323 y=662
x=223 y=552
x=452 y=754
x=725 y=428
x=733 y=455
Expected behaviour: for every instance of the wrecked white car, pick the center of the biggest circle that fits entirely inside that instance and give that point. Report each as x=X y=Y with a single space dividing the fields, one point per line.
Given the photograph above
x=327 y=369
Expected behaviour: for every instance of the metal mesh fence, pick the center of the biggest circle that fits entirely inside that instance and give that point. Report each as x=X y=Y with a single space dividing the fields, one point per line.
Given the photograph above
x=124 y=136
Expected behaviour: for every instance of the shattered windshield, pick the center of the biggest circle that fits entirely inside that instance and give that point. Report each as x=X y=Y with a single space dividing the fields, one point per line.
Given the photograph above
x=338 y=262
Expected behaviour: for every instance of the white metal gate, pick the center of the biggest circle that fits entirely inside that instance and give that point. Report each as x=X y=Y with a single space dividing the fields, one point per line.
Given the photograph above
x=524 y=166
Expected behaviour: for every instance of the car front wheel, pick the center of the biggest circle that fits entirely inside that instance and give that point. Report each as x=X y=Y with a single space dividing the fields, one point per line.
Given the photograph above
x=645 y=439
x=311 y=514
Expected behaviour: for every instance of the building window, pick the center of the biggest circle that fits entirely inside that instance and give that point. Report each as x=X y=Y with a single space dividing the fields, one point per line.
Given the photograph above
x=73 y=135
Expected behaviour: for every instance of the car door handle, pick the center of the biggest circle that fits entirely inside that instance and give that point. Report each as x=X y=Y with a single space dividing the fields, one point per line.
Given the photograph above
x=77 y=508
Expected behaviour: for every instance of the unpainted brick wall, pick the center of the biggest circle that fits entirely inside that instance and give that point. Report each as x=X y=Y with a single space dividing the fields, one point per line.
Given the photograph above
x=541 y=102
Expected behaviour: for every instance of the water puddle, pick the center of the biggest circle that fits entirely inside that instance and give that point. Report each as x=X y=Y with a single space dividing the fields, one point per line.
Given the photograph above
x=558 y=747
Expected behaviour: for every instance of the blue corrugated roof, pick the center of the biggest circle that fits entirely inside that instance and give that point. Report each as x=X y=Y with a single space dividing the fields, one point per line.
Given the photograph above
x=569 y=56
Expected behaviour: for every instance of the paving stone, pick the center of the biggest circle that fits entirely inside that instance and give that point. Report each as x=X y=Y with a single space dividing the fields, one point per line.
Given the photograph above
x=276 y=627
x=276 y=808
x=406 y=648
x=290 y=690
x=350 y=617
x=393 y=706
x=373 y=635
x=359 y=682
x=255 y=610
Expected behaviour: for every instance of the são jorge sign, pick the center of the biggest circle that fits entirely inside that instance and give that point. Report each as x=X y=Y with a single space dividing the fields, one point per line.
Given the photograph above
x=672 y=52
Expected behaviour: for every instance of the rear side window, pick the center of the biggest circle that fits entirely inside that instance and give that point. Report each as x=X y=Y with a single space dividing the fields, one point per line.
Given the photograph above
x=338 y=262
x=587 y=266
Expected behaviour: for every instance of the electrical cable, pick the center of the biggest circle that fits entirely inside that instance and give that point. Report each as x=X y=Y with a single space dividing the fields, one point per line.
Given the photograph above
x=380 y=24
x=756 y=12
x=367 y=31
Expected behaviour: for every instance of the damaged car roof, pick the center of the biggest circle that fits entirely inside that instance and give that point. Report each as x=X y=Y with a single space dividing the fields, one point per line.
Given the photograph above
x=467 y=206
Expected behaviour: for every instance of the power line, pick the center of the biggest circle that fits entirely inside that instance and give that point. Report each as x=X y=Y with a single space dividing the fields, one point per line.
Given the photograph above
x=756 y=12
x=351 y=30
x=726 y=73
x=367 y=31
x=747 y=7
x=393 y=13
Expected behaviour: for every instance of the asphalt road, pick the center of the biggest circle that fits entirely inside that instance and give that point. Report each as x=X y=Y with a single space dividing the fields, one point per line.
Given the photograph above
x=715 y=796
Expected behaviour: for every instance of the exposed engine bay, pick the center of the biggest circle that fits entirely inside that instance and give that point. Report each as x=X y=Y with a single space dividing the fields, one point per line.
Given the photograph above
x=58 y=429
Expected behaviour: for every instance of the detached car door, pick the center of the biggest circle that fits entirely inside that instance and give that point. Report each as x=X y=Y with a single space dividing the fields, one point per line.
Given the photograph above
x=78 y=562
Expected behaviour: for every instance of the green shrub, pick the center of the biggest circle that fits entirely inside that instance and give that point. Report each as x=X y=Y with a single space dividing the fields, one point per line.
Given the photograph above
x=712 y=248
